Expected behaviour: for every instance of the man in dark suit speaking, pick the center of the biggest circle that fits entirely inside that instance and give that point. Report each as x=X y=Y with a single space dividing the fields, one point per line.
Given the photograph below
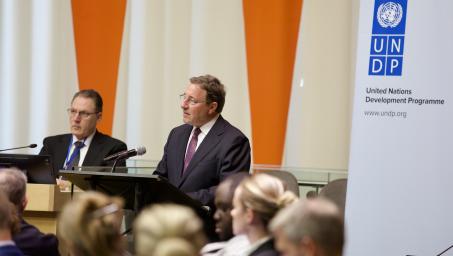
x=206 y=149
x=84 y=146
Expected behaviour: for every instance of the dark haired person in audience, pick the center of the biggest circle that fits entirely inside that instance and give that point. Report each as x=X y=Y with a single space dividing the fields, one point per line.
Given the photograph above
x=29 y=239
x=206 y=149
x=255 y=203
x=311 y=227
x=9 y=225
x=229 y=244
x=85 y=145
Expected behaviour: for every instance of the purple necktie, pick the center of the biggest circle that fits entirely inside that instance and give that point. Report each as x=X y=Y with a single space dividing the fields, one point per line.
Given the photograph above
x=192 y=148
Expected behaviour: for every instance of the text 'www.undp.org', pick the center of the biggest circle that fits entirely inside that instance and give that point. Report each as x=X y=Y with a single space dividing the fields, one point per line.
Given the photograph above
x=389 y=113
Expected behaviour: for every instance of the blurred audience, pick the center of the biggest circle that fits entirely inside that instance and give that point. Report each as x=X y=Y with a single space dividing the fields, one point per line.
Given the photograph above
x=168 y=230
x=229 y=244
x=255 y=203
x=9 y=224
x=29 y=239
x=311 y=227
x=311 y=194
x=90 y=225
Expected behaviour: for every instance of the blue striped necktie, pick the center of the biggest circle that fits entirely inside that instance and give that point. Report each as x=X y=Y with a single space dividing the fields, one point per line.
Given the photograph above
x=75 y=156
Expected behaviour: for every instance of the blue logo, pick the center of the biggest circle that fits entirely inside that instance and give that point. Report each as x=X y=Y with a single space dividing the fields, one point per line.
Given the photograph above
x=387 y=39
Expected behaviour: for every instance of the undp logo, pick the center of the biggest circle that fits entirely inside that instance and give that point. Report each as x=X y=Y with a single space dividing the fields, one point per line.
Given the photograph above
x=389 y=14
x=387 y=39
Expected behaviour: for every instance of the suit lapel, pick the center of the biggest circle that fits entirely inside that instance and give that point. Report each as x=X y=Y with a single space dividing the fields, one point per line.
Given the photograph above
x=93 y=150
x=181 y=151
x=62 y=151
x=209 y=142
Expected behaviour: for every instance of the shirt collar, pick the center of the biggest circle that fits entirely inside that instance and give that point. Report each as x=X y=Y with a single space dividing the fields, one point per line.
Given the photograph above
x=207 y=126
x=7 y=242
x=86 y=141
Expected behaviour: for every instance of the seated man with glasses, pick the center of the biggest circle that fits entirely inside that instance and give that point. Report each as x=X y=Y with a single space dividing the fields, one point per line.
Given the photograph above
x=85 y=145
x=206 y=149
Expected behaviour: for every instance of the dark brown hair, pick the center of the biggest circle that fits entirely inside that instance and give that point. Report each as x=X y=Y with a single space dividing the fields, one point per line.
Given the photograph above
x=91 y=94
x=215 y=90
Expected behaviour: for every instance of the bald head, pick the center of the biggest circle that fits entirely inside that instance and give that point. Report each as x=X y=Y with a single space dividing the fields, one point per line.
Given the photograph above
x=13 y=183
x=309 y=227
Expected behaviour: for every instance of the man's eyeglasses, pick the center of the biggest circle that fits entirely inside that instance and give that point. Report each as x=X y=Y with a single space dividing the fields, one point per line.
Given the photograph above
x=191 y=101
x=72 y=113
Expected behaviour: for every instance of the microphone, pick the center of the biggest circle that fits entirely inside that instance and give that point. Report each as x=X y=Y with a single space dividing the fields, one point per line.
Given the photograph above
x=29 y=146
x=126 y=154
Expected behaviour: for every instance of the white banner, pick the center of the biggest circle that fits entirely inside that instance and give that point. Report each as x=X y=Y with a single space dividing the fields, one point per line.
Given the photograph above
x=400 y=189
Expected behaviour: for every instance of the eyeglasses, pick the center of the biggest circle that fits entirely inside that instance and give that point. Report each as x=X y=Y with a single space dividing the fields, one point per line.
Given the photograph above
x=191 y=101
x=72 y=113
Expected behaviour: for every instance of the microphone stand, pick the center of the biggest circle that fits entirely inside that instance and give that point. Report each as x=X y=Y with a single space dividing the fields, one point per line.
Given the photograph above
x=115 y=163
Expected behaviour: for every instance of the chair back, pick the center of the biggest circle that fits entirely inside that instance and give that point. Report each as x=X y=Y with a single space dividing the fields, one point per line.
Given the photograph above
x=288 y=179
x=335 y=191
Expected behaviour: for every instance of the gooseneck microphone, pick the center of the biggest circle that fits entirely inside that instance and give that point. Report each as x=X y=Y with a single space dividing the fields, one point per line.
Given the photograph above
x=126 y=154
x=29 y=146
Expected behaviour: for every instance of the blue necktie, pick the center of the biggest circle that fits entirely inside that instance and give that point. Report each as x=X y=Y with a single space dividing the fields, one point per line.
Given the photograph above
x=75 y=156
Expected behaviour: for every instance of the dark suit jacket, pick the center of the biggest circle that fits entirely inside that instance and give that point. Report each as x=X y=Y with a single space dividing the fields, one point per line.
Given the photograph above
x=32 y=242
x=101 y=146
x=266 y=249
x=10 y=250
x=224 y=151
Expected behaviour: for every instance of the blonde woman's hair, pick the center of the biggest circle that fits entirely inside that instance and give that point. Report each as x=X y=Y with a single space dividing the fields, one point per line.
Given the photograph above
x=265 y=195
x=90 y=225
x=168 y=230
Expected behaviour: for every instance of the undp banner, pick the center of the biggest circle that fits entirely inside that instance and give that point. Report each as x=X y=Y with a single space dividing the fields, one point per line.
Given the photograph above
x=400 y=190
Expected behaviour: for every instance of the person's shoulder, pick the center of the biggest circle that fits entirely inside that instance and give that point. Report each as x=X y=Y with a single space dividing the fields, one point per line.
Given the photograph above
x=105 y=137
x=181 y=128
x=231 y=129
x=57 y=137
x=27 y=227
x=30 y=233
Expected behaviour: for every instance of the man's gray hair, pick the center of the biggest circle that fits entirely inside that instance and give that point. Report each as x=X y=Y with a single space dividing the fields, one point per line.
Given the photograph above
x=318 y=219
x=13 y=183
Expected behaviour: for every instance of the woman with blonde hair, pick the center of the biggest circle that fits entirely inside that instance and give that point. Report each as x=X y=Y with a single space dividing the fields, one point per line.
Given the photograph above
x=256 y=201
x=168 y=230
x=91 y=225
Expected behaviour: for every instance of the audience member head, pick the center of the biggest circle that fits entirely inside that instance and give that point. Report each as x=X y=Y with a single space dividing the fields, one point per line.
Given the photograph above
x=224 y=204
x=90 y=225
x=168 y=230
x=202 y=100
x=9 y=221
x=256 y=201
x=85 y=113
x=13 y=183
x=311 y=227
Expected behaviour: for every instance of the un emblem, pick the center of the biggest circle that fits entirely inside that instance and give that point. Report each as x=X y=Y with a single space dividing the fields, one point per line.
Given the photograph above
x=389 y=14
